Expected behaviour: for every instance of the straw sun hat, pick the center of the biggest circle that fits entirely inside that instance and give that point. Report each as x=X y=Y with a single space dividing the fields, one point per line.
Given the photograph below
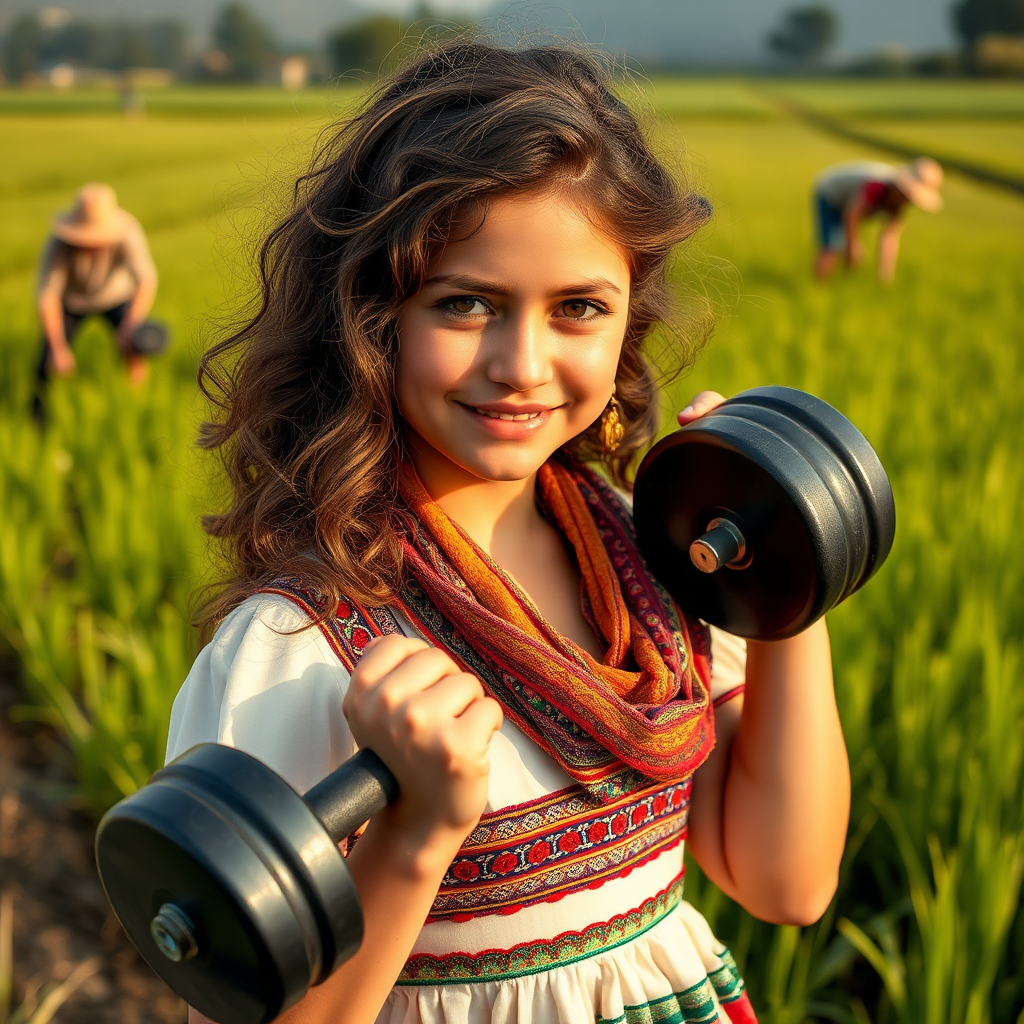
x=94 y=221
x=920 y=183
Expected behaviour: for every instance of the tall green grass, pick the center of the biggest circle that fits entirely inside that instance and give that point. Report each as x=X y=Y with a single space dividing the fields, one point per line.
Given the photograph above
x=927 y=924
x=100 y=548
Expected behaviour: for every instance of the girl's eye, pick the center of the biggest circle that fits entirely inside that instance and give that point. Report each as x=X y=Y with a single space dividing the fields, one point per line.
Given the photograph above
x=580 y=309
x=465 y=306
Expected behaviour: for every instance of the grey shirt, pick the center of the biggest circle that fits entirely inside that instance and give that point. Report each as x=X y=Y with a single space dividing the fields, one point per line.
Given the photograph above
x=92 y=280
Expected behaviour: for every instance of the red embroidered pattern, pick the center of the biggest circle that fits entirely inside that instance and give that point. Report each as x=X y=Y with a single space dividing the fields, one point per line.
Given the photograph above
x=536 y=852
x=349 y=629
x=566 y=842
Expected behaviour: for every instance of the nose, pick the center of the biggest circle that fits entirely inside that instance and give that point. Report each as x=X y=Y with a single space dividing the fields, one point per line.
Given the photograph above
x=519 y=351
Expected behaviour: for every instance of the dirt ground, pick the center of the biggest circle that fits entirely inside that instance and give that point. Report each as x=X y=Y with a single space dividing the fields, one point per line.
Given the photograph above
x=61 y=918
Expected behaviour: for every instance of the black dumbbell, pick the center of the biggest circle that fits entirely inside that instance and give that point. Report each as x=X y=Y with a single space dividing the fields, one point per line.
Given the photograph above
x=759 y=517
x=231 y=885
x=150 y=338
x=762 y=515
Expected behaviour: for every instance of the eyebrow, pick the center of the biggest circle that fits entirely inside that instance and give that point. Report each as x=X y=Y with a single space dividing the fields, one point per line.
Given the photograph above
x=478 y=284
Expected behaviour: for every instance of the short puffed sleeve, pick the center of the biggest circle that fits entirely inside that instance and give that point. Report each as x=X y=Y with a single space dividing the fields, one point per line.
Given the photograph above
x=267 y=683
x=728 y=665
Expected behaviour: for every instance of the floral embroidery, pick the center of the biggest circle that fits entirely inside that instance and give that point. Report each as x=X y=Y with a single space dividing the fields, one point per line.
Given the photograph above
x=349 y=629
x=541 y=955
x=565 y=842
x=539 y=851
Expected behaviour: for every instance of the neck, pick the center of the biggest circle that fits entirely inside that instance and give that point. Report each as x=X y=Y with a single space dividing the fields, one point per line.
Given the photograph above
x=497 y=514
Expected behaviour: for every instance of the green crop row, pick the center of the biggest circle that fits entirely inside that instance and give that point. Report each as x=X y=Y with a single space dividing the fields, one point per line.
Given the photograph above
x=926 y=925
x=101 y=553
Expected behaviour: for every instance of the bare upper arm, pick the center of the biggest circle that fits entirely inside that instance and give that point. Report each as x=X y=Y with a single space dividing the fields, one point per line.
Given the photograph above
x=707 y=799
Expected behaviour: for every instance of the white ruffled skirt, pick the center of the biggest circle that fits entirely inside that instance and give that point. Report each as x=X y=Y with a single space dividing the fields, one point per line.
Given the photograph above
x=675 y=971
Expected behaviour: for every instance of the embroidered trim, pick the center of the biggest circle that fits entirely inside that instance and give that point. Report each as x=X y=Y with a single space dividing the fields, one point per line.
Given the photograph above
x=563 y=843
x=349 y=629
x=542 y=850
x=541 y=955
x=696 y=1004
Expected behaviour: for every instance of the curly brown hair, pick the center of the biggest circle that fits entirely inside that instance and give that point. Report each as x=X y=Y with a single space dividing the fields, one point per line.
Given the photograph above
x=308 y=429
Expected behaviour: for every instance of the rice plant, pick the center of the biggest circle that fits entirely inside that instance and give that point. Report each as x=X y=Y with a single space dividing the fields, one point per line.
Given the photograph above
x=100 y=550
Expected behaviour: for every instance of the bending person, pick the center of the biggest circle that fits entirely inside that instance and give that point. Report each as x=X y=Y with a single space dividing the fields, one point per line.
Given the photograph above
x=96 y=262
x=846 y=194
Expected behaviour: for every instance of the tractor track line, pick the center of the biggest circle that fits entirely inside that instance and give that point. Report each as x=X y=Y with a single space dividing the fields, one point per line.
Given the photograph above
x=827 y=124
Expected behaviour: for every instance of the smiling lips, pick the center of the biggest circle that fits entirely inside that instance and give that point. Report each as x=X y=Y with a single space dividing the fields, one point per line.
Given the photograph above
x=509 y=422
x=517 y=417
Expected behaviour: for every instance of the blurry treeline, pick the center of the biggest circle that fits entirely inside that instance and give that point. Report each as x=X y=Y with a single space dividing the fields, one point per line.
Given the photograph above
x=55 y=47
x=991 y=34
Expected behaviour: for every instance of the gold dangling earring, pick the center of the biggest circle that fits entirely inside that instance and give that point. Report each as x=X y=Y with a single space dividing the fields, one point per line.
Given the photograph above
x=612 y=430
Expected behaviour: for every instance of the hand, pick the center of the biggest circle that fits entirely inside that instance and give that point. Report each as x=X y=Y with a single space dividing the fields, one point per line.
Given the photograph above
x=62 y=359
x=699 y=405
x=125 y=331
x=431 y=724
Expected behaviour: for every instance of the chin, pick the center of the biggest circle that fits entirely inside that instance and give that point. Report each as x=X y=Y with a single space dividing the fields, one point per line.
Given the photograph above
x=506 y=469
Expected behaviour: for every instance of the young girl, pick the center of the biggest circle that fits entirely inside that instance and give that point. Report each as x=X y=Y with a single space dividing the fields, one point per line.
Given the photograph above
x=452 y=326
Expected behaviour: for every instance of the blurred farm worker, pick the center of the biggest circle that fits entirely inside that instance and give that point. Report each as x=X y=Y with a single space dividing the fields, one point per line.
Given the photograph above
x=844 y=195
x=96 y=263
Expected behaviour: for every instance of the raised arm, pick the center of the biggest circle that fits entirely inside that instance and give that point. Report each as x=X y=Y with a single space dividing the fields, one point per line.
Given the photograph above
x=770 y=807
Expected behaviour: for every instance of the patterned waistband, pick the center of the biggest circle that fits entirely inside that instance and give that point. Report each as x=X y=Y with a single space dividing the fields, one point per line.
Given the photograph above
x=541 y=954
x=566 y=842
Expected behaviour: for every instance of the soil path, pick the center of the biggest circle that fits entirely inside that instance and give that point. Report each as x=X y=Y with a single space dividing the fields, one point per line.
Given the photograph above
x=61 y=918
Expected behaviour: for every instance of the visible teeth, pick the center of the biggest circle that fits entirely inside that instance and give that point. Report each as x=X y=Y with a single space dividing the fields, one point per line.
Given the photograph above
x=508 y=415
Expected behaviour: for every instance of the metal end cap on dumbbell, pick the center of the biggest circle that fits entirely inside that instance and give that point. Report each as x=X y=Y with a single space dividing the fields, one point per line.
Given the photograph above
x=228 y=885
x=765 y=513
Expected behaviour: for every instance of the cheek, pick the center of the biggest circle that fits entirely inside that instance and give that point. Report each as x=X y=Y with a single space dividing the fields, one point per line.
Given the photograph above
x=590 y=371
x=431 y=362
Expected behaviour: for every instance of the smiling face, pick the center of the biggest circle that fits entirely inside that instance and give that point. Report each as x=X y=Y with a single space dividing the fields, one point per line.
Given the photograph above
x=510 y=348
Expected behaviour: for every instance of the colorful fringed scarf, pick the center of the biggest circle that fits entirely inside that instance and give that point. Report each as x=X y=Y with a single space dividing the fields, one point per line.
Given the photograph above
x=644 y=708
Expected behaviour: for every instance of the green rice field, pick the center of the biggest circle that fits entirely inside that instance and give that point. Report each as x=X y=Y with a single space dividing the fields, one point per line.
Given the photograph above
x=101 y=553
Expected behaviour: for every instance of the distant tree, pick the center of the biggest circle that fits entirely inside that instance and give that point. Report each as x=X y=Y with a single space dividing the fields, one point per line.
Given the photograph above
x=804 y=34
x=21 y=48
x=130 y=47
x=76 y=42
x=168 y=39
x=975 y=18
x=244 y=40
x=364 y=45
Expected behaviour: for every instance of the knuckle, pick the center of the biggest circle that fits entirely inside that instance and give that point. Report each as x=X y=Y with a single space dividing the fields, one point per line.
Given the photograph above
x=472 y=684
x=416 y=719
x=435 y=660
x=388 y=700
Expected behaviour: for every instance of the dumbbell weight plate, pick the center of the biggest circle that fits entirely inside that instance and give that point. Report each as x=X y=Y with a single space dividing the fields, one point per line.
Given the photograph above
x=803 y=485
x=226 y=842
x=150 y=338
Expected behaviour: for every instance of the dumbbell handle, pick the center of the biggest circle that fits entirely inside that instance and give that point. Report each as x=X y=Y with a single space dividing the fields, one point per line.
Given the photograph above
x=352 y=794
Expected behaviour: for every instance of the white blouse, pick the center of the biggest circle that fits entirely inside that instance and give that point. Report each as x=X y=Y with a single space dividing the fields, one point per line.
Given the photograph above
x=557 y=910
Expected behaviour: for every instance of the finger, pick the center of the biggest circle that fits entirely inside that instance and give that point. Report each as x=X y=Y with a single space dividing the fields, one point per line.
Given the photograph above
x=416 y=673
x=480 y=721
x=699 y=405
x=448 y=697
x=383 y=654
